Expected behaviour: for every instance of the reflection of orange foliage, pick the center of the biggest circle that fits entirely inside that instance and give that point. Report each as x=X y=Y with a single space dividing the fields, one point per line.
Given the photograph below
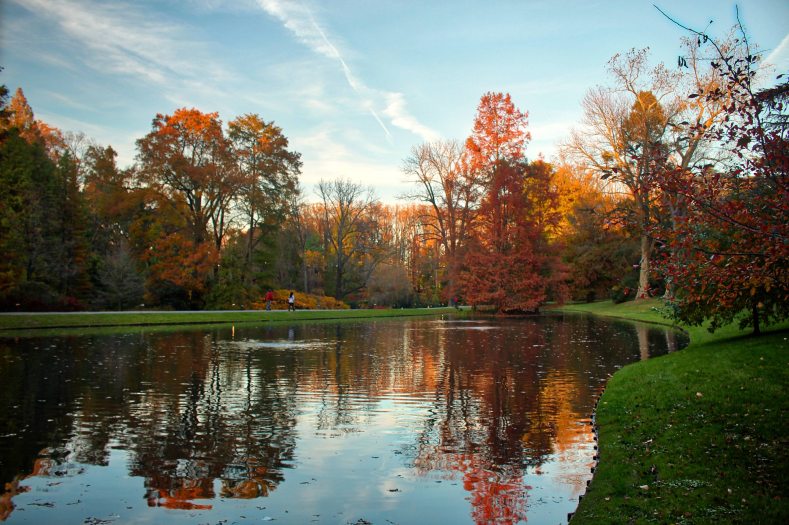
x=557 y=390
x=248 y=488
x=497 y=495
x=179 y=496
x=42 y=466
x=555 y=416
x=6 y=504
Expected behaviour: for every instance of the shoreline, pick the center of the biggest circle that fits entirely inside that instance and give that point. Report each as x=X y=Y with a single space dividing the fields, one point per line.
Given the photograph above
x=32 y=324
x=695 y=436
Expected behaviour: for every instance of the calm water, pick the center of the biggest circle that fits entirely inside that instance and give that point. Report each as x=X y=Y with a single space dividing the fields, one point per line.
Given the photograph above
x=386 y=422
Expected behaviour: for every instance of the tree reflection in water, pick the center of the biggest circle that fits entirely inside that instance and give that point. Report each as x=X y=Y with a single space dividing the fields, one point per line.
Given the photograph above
x=215 y=414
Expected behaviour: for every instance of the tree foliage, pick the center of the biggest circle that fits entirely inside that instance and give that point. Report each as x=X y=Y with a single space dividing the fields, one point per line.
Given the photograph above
x=509 y=264
x=728 y=248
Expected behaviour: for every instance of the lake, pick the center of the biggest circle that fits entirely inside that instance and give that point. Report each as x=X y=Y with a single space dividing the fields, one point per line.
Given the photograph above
x=388 y=422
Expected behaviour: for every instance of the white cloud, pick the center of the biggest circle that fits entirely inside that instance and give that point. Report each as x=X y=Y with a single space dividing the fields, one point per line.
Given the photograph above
x=326 y=158
x=300 y=21
x=123 y=39
x=779 y=57
x=396 y=110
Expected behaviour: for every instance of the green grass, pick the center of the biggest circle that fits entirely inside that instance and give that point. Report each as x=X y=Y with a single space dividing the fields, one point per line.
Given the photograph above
x=697 y=436
x=36 y=324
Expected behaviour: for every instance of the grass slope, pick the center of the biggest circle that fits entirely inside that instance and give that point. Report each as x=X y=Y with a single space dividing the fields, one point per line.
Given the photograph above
x=30 y=323
x=697 y=436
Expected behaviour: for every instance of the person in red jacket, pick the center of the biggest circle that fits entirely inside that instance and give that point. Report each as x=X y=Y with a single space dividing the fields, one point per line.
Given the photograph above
x=269 y=298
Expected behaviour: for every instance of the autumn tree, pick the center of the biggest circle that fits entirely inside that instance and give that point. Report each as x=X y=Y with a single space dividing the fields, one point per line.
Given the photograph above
x=623 y=137
x=186 y=162
x=727 y=250
x=594 y=238
x=507 y=264
x=187 y=159
x=19 y=115
x=511 y=263
x=112 y=200
x=113 y=205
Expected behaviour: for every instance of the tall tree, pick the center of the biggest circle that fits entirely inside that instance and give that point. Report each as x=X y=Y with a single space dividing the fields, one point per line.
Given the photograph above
x=268 y=177
x=27 y=198
x=452 y=190
x=508 y=265
x=72 y=252
x=512 y=265
x=624 y=137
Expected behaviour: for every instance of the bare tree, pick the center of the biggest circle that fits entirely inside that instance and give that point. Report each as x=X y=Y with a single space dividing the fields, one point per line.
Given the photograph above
x=451 y=190
x=650 y=119
x=348 y=231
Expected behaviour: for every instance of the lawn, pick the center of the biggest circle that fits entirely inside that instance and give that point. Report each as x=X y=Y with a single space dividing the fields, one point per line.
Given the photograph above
x=697 y=436
x=30 y=324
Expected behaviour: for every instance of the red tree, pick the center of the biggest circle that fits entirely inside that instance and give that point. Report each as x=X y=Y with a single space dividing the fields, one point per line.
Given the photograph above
x=728 y=247
x=509 y=263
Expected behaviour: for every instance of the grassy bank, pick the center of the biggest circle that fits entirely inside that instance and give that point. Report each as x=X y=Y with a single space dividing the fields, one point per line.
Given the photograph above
x=34 y=321
x=698 y=436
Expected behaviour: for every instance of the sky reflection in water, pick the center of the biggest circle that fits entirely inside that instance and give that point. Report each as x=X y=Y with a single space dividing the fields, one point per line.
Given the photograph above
x=415 y=421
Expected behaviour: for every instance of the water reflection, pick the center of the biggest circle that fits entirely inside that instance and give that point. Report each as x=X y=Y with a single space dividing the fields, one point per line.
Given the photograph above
x=486 y=420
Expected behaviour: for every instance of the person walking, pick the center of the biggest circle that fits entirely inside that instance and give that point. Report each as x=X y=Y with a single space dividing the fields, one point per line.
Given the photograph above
x=269 y=299
x=291 y=302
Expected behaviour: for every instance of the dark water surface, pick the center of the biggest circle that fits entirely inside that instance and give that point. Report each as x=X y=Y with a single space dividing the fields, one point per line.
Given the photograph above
x=403 y=422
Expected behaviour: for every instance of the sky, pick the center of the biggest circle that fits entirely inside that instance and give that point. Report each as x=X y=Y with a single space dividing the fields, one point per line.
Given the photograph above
x=354 y=84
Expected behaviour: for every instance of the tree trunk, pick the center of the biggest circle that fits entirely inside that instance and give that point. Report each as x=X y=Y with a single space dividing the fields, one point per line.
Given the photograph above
x=305 y=270
x=755 y=312
x=338 y=281
x=643 y=272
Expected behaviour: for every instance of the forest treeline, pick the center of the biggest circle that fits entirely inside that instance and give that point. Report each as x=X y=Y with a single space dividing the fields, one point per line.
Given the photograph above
x=673 y=184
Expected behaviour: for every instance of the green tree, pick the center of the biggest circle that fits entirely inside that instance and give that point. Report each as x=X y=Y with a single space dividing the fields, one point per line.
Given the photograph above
x=70 y=248
x=268 y=181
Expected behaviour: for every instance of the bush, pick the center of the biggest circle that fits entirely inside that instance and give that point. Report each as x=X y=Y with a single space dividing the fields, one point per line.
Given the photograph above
x=628 y=287
x=304 y=301
x=35 y=296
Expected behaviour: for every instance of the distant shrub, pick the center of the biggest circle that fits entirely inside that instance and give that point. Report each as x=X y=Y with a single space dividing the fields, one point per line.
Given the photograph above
x=304 y=301
x=34 y=296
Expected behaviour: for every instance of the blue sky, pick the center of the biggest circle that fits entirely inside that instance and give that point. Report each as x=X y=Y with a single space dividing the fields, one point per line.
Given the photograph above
x=353 y=83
